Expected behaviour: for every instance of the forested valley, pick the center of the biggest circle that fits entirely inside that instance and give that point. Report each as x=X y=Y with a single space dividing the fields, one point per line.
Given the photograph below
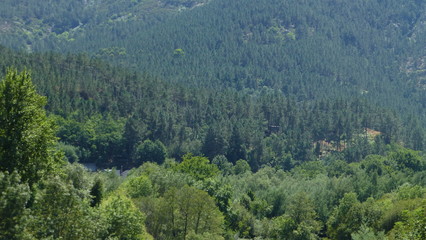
x=213 y=119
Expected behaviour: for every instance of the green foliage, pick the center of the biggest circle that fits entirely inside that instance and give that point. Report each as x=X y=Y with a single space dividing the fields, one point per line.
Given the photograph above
x=366 y=233
x=198 y=167
x=27 y=136
x=62 y=211
x=98 y=112
x=123 y=218
x=178 y=53
x=283 y=227
x=309 y=169
x=223 y=164
x=96 y=139
x=140 y=186
x=161 y=178
x=339 y=168
x=236 y=149
x=245 y=49
x=150 y=151
x=413 y=225
x=307 y=92
x=346 y=218
x=374 y=164
x=214 y=144
x=300 y=220
x=183 y=214
x=407 y=159
x=69 y=151
x=77 y=175
x=111 y=179
x=241 y=166
x=97 y=192
x=408 y=191
x=14 y=197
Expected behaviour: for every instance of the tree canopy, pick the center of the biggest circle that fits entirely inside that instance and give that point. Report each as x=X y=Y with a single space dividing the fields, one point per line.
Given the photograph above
x=27 y=135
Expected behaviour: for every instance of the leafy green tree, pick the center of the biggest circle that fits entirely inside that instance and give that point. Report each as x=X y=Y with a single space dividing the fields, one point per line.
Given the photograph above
x=373 y=164
x=221 y=193
x=241 y=166
x=140 y=186
x=223 y=164
x=366 y=233
x=27 y=136
x=241 y=220
x=198 y=167
x=77 y=175
x=407 y=159
x=412 y=226
x=346 y=218
x=299 y=222
x=301 y=210
x=105 y=138
x=62 y=211
x=283 y=227
x=197 y=212
x=187 y=213
x=69 y=151
x=14 y=216
x=150 y=151
x=124 y=220
x=134 y=132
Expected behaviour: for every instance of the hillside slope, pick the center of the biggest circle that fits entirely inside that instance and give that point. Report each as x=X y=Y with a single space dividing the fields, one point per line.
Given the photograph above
x=24 y=23
x=106 y=112
x=306 y=49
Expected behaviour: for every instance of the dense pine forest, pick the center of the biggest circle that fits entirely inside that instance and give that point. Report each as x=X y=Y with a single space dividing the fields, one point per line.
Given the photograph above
x=213 y=119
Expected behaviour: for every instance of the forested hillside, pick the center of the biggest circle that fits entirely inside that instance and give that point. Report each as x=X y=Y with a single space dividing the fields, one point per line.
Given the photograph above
x=243 y=119
x=106 y=113
x=25 y=22
x=306 y=49
x=43 y=196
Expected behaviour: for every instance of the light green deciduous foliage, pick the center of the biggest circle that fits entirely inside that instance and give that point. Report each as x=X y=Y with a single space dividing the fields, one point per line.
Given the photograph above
x=188 y=213
x=412 y=226
x=125 y=221
x=366 y=233
x=140 y=186
x=27 y=136
x=283 y=227
x=198 y=167
x=63 y=212
x=198 y=212
x=301 y=210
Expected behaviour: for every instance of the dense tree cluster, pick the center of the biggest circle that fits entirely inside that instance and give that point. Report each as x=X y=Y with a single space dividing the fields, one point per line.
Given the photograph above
x=244 y=119
x=373 y=196
x=42 y=197
x=306 y=49
x=109 y=116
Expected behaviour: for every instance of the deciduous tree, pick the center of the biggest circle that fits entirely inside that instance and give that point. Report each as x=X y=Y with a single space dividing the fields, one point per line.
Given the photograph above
x=27 y=136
